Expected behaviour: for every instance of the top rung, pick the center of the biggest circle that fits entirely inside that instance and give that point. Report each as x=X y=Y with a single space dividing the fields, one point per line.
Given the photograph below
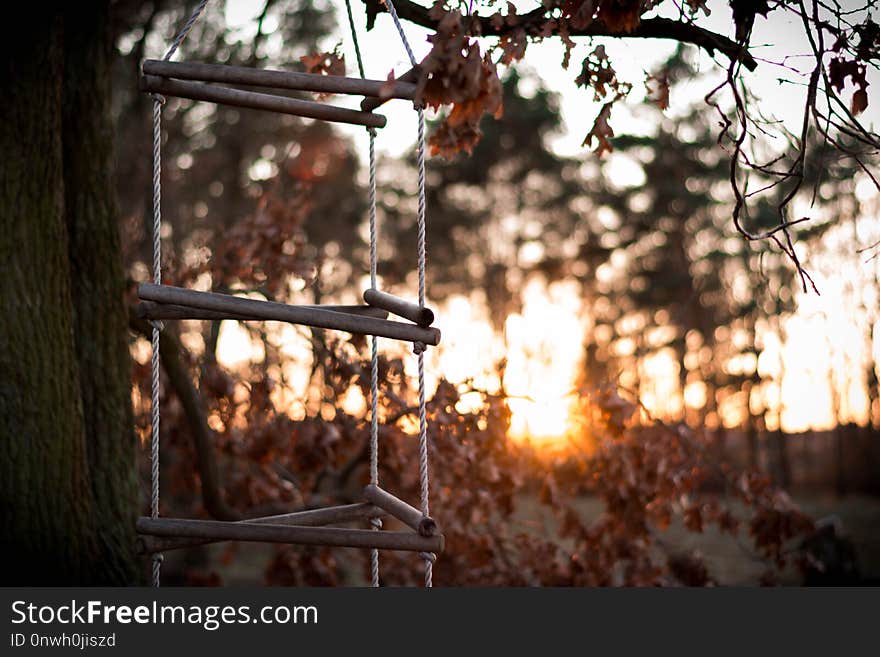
x=227 y=74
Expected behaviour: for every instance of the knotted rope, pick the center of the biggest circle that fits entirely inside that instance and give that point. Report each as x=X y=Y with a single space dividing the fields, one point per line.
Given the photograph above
x=158 y=102
x=418 y=347
x=374 y=342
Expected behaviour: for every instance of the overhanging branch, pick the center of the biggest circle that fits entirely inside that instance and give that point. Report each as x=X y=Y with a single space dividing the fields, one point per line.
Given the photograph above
x=193 y=406
x=650 y=28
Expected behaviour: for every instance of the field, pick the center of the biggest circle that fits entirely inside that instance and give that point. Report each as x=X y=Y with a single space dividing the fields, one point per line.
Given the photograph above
x=731 y=563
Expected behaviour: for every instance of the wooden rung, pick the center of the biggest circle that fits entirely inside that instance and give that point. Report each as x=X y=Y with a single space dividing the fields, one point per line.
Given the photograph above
x=270 y=310
x=153 y=310
x=411 y=76
x=400 y=307
x=255 y=100
x=396 y=507
x=312 y=518
x=266 y=533
x=226 y=74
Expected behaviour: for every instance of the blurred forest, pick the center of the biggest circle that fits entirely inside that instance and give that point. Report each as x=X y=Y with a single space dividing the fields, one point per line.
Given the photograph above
x=675 y=462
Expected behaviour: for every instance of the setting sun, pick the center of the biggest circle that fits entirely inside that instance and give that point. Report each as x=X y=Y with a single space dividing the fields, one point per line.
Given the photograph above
x=544 y=354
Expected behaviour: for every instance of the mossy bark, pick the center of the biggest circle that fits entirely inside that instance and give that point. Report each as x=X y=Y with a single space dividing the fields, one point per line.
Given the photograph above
x=67 y=475
x=98 y=284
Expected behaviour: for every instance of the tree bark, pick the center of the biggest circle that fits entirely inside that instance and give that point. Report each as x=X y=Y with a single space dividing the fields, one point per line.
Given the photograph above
x=45 y=501
x=67 y=477
x=193 y=405
x=98 y=283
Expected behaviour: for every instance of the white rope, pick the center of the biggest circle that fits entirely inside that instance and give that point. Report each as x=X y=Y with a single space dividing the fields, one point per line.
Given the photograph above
x=185 y=29
x=354 y=38
x=374 y=360
x=158 y=101
x=419 y=348
x=374 y=342
x=393 y=12
x=374 y=378
x=157 y=280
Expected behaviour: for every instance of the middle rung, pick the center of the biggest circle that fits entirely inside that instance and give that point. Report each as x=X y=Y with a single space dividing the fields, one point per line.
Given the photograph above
x=273 y=311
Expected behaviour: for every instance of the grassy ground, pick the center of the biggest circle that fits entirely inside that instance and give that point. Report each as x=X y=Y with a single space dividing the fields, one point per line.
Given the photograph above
x=732 y=563
x=729 y=563
x=861 y=518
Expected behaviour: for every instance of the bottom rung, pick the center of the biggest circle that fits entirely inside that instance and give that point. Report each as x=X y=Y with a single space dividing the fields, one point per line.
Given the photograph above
x=148 y=544
x=407 y=514
x=265 y=533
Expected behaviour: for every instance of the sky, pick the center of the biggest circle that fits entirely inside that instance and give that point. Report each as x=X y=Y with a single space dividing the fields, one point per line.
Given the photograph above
x=772 y=40
x=822 y=328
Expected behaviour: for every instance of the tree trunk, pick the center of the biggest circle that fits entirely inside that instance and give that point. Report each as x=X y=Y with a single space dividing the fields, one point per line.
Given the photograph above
x=67 y=479
x=680 y=346
x=753 y=445
x=837 y=431
x=98 y=283
x=841 y=433
x=872 y=383
x=778 y=438
x=781 y=461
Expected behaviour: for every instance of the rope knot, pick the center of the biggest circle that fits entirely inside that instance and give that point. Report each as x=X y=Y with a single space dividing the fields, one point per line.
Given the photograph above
x=419 y=348
x=158 y=557
x=159 y=98
x=428 y=556
x=157 y=324
x=376 y=522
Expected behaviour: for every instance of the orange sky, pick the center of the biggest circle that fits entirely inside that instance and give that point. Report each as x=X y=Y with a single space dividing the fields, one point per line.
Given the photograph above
x=825 y=346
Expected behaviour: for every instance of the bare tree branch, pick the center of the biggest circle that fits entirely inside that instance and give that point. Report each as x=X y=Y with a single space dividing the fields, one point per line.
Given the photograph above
x=194 y=409
x=532 y=23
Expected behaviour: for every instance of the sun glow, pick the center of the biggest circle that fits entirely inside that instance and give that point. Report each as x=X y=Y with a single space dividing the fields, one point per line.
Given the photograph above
x=809 y=361
x=541 y=347
x=544 y=353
